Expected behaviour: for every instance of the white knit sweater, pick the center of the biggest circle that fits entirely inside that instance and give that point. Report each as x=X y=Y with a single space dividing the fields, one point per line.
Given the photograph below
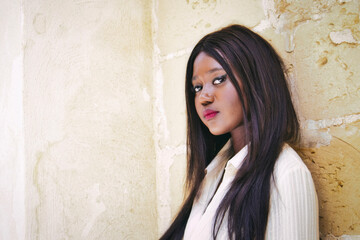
x=293 y=213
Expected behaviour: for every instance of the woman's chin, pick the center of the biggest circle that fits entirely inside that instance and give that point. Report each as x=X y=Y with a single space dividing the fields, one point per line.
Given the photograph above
x=216 y=132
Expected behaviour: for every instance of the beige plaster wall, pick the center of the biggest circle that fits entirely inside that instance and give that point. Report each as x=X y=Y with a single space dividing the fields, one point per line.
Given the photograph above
x=92 y=108
x=90 y=159
x=12 y=161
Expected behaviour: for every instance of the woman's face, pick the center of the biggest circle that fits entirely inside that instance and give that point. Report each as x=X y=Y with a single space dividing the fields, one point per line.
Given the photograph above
x=216 y=100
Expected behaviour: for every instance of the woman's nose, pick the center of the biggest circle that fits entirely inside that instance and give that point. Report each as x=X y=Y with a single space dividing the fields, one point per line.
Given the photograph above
x=206 y=95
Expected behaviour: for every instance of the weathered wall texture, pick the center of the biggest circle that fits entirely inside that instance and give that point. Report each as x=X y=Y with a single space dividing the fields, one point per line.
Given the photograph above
x=92 y=109
x=320 y=44
x=90 y=158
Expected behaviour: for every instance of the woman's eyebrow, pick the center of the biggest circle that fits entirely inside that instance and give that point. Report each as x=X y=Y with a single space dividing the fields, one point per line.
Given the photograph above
x=214 y=70
x=209 y=72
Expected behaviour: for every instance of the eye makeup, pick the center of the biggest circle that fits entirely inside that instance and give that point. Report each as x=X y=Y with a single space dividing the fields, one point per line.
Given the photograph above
x=220 y=79
x=216 y=81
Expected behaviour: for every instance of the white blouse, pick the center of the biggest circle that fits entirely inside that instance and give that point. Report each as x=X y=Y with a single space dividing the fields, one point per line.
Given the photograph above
x=293 y=212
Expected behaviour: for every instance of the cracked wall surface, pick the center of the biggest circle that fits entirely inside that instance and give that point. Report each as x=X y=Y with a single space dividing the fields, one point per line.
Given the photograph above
x=93 y=109
x=335 y=169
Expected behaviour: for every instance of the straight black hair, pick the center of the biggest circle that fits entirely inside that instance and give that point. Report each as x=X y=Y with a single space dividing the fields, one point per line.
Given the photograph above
x=269 y=119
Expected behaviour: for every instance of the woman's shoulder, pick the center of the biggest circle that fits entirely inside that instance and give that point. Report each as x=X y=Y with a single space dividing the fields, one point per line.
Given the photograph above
x=289 y=162
x=292 y=177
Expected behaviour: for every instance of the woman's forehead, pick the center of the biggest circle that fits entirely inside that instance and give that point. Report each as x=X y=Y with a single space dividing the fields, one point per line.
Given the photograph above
x=205 y=65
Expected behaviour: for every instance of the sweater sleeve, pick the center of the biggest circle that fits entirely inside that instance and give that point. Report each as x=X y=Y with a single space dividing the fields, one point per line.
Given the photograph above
x=298 y=210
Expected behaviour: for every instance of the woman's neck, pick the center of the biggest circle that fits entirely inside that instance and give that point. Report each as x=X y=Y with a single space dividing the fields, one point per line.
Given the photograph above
x=238 y=138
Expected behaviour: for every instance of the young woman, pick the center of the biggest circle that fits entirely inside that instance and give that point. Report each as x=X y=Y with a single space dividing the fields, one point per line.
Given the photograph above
x=243 y=179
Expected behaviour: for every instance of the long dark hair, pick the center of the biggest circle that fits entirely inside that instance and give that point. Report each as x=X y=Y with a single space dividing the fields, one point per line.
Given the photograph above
x=269 y=120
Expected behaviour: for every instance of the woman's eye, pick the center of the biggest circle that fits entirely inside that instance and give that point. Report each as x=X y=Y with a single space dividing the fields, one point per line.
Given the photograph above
x=219 y=80
x=197 y=88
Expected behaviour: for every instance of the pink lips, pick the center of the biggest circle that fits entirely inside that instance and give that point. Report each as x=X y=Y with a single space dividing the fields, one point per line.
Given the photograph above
x=209 y=114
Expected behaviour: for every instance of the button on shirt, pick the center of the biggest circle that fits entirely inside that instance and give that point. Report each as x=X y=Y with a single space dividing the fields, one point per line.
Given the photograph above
x=293 y=212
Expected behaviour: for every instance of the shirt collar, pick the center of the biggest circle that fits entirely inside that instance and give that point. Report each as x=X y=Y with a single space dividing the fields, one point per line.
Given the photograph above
x=222 y=158
x=237 y=160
